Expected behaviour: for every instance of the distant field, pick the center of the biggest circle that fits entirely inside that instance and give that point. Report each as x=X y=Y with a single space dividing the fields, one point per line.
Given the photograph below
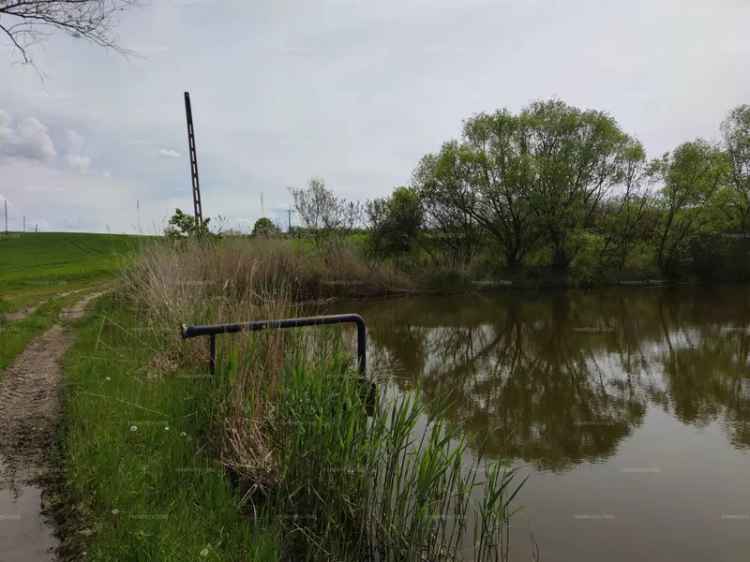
x=37 y=271
x=34 y=266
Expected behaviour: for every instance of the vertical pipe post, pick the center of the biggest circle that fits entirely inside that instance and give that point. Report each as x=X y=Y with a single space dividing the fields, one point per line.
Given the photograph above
x=362 y=348
x=212 y=354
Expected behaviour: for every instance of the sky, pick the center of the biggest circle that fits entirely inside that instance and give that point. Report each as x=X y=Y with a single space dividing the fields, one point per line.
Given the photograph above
x=353 y=92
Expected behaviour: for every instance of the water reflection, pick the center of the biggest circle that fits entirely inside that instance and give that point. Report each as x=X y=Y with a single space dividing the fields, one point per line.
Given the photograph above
x=560 y=378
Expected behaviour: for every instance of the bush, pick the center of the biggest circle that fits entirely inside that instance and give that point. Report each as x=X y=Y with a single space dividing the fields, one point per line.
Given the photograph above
x=396 y=222
x=265 y=228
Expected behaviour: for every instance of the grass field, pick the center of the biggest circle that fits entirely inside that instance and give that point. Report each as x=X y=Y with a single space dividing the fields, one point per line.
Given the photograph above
x=41 y=273
x=34 y=266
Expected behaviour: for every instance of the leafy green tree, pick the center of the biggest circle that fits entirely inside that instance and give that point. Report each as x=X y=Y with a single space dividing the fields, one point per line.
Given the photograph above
x=501 y=169
x=485 y=182
x=524 y=179
x=692 y=175
x=576 y=157
x=265 y=228
x=395 y=221
x=627 y=217
x=182 y=225
x=448 y=201
x=736 y=134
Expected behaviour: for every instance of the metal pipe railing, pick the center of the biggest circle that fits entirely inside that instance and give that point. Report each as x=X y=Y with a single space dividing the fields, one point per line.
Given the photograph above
x=214 y=330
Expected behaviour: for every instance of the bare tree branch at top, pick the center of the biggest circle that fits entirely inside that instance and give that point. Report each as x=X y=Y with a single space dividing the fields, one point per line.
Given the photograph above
x=26 y=22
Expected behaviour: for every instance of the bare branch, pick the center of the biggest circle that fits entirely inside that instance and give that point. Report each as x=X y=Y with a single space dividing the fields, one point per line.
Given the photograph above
x=25 y=22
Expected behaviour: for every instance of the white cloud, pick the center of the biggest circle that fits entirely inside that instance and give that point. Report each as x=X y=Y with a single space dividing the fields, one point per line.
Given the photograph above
x=169 y=153
x=29 y=139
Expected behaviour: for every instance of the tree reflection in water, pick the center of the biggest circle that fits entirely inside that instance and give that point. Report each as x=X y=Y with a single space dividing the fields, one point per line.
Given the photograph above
x=564 y=377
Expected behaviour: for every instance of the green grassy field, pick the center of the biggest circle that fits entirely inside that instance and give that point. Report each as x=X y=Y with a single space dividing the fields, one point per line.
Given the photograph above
x=34 y=266
x=36 y=269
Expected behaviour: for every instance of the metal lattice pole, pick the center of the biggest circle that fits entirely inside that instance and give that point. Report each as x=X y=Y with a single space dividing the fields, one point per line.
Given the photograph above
x=193 y=164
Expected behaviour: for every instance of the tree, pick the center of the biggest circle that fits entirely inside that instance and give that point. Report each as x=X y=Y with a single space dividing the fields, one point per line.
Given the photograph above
x=265 y=228
x=322 y=212
x=736 y=134
x=448 y=202
x=25 y=22
x=486 y=178
x=182 y=225
x=395 y=221
x=523 y=179
x=576 y=157
x=692 y=174
x=501 y=165
x=628 y=216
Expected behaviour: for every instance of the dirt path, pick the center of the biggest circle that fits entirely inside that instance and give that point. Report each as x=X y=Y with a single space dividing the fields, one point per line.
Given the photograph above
x=29 y=409
x=27 y=311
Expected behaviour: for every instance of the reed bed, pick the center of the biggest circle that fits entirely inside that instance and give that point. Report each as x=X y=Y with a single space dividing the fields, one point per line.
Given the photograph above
x=287 y=415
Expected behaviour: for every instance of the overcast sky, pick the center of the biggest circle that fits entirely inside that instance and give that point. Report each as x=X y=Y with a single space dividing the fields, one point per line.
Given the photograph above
x=354 y=92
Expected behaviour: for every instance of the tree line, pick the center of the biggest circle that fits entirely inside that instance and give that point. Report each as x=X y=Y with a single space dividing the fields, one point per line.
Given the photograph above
x=563 y=189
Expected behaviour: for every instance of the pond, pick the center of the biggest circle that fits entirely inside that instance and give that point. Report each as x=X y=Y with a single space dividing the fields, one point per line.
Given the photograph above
x=628 y=408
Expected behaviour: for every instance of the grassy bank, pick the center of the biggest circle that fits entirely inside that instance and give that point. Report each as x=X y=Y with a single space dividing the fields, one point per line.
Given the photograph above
x=135 y=454
x=273 y=457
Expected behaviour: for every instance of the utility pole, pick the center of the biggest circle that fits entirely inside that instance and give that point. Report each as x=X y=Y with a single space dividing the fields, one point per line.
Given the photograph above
x=193 y=164
x=6 y=216
x=24 y=223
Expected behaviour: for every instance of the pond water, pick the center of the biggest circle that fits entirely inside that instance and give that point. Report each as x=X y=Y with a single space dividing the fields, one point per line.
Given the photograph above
x=628 y=408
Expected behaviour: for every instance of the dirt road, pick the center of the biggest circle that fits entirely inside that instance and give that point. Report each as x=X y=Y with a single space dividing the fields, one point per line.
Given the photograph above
x=29 y=411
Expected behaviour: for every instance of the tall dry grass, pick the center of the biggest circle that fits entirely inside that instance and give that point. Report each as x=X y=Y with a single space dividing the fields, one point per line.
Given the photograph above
x=173 y=275
x=203 y=282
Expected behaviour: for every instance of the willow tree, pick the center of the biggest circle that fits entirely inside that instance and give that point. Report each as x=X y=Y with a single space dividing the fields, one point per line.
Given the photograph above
x=532 y=178
x=449 y=200
x=628 y=215
x=736 y=135
x=692 y=175
x=577 y=157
